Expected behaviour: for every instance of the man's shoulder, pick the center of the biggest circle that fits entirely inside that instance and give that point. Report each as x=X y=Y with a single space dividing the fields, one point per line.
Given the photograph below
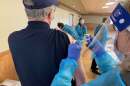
x=58 y=32
x=61 y=35
x=14 y=35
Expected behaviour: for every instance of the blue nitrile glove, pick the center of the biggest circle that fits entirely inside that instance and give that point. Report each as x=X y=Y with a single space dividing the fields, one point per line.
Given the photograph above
x=88 y=39
x=95 y=45
x=74 y=51
x=104 y=61
x=97 y=48
x=71 y=31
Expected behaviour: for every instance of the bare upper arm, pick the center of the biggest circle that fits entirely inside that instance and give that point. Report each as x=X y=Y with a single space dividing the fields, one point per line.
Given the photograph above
x=71 y=39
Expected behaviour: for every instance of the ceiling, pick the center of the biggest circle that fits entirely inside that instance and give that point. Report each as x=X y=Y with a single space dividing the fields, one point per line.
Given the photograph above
x=90 y=7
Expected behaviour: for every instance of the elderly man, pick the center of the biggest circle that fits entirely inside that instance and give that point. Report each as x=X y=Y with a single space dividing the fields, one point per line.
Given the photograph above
x=37 y=50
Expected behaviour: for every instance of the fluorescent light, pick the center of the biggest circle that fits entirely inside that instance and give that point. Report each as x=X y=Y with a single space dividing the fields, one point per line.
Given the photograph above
x=110 y=3
x=105 y=7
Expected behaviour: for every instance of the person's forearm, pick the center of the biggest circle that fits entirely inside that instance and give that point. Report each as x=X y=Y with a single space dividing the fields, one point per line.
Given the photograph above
x=110 y=78
x=65 y=74
x=104 y=61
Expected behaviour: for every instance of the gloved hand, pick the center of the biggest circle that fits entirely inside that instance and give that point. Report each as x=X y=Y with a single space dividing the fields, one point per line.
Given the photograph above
x=94 y=45
x=88 y=39
x=97 y=48
x=71 y=31
x=74 y=51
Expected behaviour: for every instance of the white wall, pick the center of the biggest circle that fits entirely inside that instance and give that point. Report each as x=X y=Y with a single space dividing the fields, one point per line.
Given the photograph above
x=94 y=19
x=63 y=16
x=13 y=17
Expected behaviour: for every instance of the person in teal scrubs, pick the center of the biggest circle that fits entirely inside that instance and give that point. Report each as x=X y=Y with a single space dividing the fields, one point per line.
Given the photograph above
x=81 y=28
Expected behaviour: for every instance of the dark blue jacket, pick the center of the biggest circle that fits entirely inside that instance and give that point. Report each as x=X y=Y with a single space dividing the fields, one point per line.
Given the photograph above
x=37 y=51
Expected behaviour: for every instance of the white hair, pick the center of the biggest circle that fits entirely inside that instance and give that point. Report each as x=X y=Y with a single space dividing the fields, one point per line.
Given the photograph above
x=37 y=14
